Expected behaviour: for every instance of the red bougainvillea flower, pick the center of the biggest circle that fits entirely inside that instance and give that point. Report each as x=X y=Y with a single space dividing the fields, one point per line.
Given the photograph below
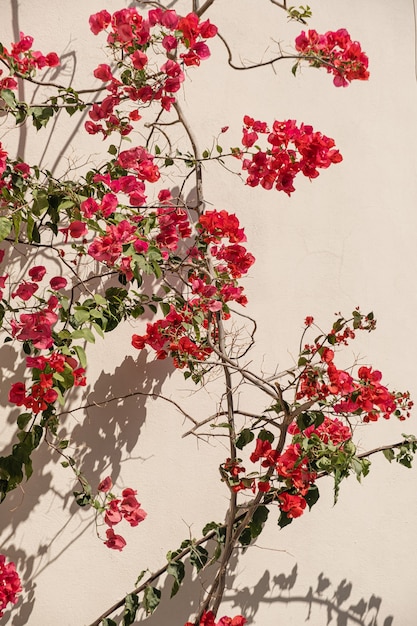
x=335 y=51
x=25 y=290
x=208 y=619
x=292 y=505
x=105 y=485
x=37 y=273
x=10 y=584
x=17 y=393
x=114 y=542
x=35 y=327
x=58 y=282
x=293 y=149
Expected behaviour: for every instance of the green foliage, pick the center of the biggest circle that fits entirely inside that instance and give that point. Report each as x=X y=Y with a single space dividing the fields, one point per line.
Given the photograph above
x=245 y=437
x=131 y=608
x=403 y=454
x=198 y=557
x=151 y=599
x=255 y=526
x=177 y=570
x=5 y=227
x=18 y=465
x=302 y=14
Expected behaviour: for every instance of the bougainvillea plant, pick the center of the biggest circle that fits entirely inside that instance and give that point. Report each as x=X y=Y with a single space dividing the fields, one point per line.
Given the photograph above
x=121 y=223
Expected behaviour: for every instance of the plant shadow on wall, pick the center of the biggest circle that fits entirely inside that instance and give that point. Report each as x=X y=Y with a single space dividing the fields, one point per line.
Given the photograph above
x=327 y=603
x=179 y=264
x=116 y=412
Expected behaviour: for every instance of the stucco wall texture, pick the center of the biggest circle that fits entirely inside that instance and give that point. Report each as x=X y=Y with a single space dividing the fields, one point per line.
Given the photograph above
x=343 y=240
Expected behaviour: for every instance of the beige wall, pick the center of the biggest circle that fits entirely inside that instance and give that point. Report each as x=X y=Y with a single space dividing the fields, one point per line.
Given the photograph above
x=346 y=239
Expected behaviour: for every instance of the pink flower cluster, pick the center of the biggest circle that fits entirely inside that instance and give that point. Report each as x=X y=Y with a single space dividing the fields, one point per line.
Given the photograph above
x=131 y=33
x=171 y=335
x=335 y=51
x=42 y=392
x=10 y=584
x=23 y=60
x=293 y=149
x=9 y=171
x=26 y=289
x=127 y=508
x=209 y=619
x=36 y=327
x=293 y=465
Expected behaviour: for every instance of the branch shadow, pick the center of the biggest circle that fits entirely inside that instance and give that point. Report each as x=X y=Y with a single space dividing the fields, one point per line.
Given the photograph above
x=327 y=603
x=111 y=429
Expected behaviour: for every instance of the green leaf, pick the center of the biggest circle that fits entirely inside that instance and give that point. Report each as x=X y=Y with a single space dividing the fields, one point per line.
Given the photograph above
x=258 y=521
x=284 y=520
x=36 y=237
x=266 y=435
x=389 y=454
x=246 y=537
x=83 y=333
x=165 y=308
x=98 y=329
x=9 y=97
x=312 y=496
x=100 y=299
x=131 y=607
x=80 y=352
x=5 y=227
x=245 y=437
x=17 y=220
x=198 y=557
x=65 y=204
x=141 y=575
x=108 y=622
x=81 y=315
x=151 y=599
x=23 y=420
x=41 y=116
x=176 y=570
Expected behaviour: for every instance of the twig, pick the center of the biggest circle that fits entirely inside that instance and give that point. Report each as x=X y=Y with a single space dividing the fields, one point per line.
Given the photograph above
x=157 y=396
x=204 y=8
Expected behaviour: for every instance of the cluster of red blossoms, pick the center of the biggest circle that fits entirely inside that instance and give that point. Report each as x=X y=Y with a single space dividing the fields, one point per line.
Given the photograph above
x=140 y=39
x=293 y=149
x=24 y=61
x=46 y=372
x=335 y=51
x=35 y=327
x=293 y=466
x=208 y=295
x=365 y=396
x=17 y=168
x=9 y=584
x=128 y=508
x=208 y=619
x=123 y=243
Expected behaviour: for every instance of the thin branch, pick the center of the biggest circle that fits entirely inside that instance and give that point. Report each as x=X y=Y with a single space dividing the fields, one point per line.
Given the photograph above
x=157 y=396
x=204 y=8
x=155 y=576
x=281 y=5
